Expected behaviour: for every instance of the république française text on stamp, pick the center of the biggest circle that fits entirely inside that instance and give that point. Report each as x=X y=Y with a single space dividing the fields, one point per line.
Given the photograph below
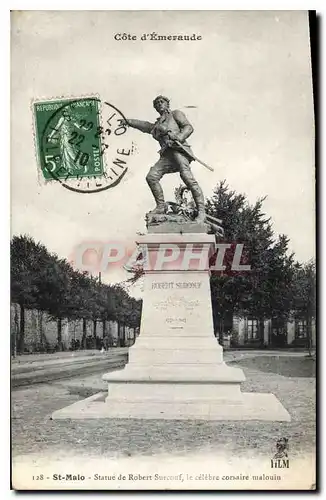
x=81 y=143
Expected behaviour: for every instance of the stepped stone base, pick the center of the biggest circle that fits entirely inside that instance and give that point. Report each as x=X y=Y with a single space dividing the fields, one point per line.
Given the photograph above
x=252 y=406
x=185 y=383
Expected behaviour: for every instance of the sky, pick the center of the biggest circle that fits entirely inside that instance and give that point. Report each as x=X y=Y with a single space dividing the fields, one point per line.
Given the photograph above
x=249 y=78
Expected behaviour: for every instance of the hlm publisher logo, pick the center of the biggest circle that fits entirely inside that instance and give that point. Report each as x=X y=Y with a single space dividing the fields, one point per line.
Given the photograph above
x=280 y=459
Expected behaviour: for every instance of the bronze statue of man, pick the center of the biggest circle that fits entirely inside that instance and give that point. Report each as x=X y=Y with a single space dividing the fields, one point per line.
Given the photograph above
x=171 y=126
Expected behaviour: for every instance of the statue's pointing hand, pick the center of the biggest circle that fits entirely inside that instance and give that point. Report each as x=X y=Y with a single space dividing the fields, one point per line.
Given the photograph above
x=124 y=122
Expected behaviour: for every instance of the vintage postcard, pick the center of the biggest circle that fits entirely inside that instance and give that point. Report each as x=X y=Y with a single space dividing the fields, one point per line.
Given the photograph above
x=163 y=316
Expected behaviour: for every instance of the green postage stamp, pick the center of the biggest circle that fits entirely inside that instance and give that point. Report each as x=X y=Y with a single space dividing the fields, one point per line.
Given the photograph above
x=68 y=138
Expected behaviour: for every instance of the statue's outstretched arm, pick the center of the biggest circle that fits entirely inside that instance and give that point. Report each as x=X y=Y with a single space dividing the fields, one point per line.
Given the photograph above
x=186 y=129
x=141 y=125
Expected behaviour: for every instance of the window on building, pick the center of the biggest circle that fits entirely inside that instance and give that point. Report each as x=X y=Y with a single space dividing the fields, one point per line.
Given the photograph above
x=252 y=329
x=300 y=329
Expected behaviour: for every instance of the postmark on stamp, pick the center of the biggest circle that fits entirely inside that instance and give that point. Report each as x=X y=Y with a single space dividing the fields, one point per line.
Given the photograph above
x=80 y=143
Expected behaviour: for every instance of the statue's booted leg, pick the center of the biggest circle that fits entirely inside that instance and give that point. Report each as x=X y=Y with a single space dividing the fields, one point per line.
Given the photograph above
x=191 y=183
x=153 y=177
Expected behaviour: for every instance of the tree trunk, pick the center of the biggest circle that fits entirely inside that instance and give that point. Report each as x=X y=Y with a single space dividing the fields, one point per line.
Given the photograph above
x=215 y=321
x=221 y=332
x=104 y=327
x=309 y=335
x=59 y=339
x=94 y=333
x=83 y=342
x=121 y=335
x=21 y=341
x=42 y=336
x=15 y=332
x=261 y=327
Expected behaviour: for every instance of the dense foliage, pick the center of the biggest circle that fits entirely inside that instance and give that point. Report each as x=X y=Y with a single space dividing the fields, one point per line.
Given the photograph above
x=41 y=280
x=276 y=285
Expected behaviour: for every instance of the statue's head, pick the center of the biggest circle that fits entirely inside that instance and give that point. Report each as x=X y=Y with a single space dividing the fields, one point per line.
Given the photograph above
x=161 y=104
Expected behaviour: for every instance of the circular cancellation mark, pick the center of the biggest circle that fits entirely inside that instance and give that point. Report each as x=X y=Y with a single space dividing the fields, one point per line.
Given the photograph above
x=78 y=150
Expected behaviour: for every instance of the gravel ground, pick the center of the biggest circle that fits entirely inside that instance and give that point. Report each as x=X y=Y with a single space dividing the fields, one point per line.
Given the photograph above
x=34 y=433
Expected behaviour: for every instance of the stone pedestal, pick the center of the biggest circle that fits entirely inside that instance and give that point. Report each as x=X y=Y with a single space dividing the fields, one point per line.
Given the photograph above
x=176 y=368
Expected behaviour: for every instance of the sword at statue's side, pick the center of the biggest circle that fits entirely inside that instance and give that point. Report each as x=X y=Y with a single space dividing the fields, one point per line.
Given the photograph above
x=193 y=156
